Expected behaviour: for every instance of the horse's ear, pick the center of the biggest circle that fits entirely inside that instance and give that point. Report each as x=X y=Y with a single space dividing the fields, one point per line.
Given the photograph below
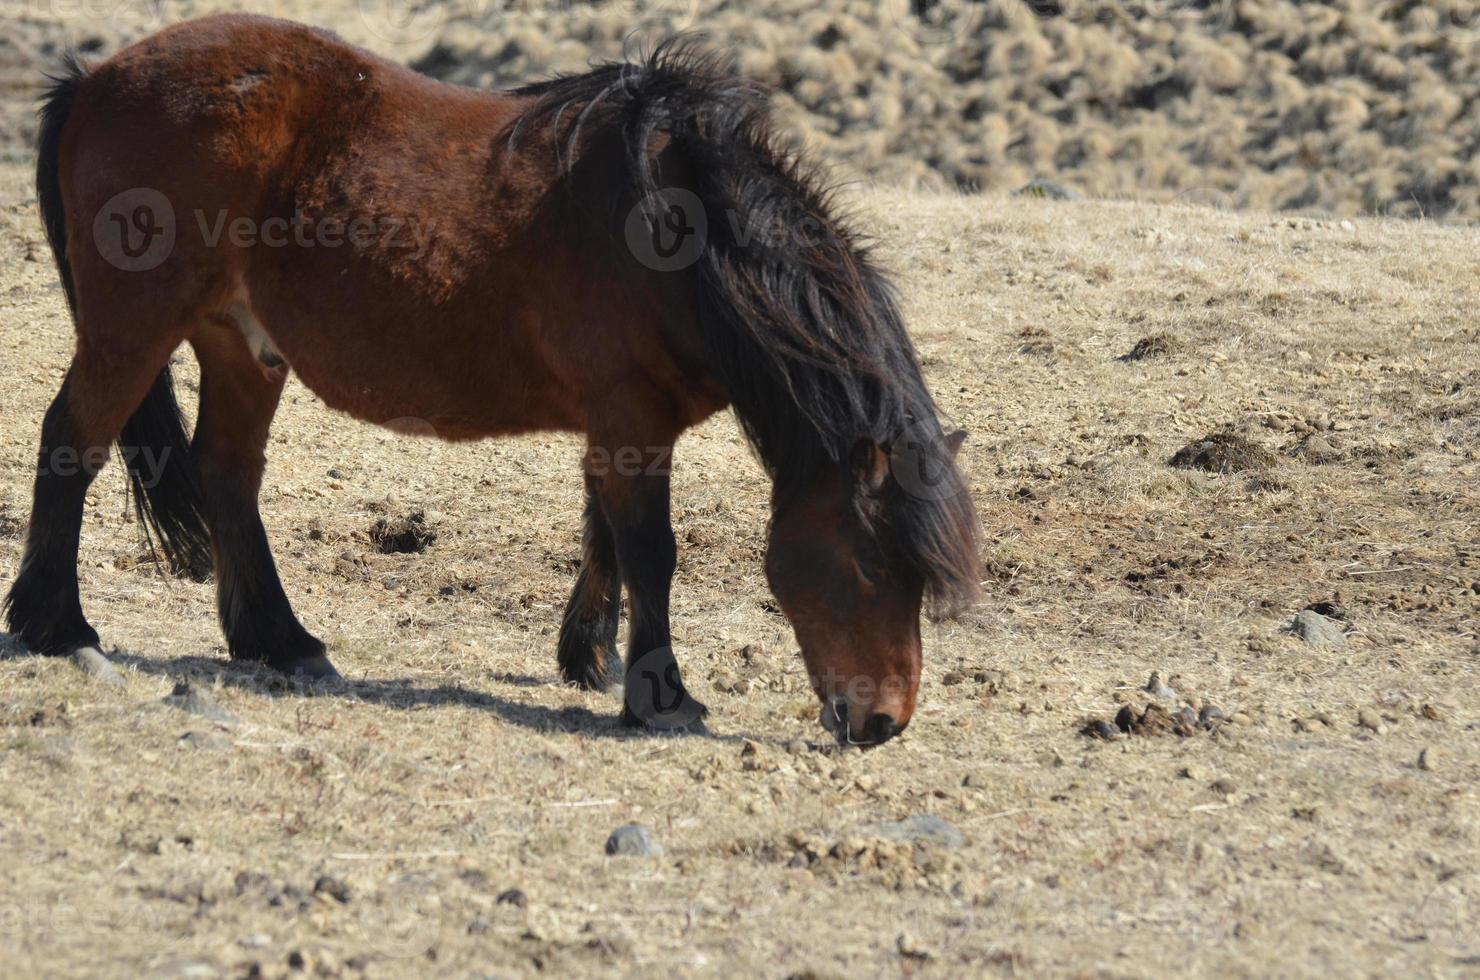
x=869 y=464
x=954 y=440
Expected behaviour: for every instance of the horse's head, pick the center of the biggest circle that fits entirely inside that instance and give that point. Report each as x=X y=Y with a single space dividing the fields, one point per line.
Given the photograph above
x=854 y=550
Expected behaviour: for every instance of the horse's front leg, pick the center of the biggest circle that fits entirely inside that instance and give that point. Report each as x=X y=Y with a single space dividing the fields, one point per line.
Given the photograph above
x=631 y=486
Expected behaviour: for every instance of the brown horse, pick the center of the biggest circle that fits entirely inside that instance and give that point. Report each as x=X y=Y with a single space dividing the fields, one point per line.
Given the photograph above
x=621 y=253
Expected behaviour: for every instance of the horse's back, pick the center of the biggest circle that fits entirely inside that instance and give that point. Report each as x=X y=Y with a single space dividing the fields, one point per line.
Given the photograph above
x=469 y=265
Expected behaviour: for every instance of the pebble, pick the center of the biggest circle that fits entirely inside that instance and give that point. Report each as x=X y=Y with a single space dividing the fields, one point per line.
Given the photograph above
x=1429 y=759
x=633 y=840
x=1039 y=187
x=1370 y=720
x=1317 y=630
x=911 y=948
x=1224 y=787
x=1211 y=715
x=1240 y=719
x=90 y=661
x=922 y=828
x=1155 y=685
x=1194 y=772
x=333 y=887
x=514 y=897
x=213 y=741
x=796 y=746
x=196 y=699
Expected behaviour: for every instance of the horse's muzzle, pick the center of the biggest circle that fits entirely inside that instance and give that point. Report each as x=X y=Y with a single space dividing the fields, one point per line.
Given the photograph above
x=876 y=729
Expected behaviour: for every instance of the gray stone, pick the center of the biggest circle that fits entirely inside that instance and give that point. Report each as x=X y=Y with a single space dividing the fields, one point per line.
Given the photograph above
x=633 y=840
x=207 y=741
x=1317 y=630
x=1038 y=187
x=922 y=828
x=196 y=699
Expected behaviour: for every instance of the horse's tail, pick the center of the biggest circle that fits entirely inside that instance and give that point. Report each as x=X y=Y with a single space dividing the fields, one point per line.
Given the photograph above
x=153 y=444
x=800 y=327
x=55 y=110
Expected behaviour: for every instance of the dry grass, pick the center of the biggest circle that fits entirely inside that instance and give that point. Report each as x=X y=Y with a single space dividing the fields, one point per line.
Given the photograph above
x=375 y=830
x=456 y=768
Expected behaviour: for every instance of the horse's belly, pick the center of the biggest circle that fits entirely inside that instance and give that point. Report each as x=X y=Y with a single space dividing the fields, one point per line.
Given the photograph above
x=443 y=376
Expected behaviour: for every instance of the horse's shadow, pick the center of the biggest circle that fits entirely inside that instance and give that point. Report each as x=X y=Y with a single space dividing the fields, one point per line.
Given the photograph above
x=403 y=694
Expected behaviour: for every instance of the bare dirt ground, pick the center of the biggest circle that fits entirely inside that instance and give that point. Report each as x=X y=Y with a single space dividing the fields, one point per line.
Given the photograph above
x=1294 y=840
x=447 y=812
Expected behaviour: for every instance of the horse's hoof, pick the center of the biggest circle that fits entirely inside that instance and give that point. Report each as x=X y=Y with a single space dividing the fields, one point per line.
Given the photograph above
x=598 y=675
x=311 y=670
x=92 y=662
x=687 y=718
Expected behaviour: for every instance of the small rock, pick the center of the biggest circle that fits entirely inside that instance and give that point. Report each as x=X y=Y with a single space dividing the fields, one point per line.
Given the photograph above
x=953 y=678
x=1429 y=759
x=1434 y=713
x=92 y=663
x=1210 y=715
x=796 y=746
x=196 y=699
x=1154 y=685
x=211 y=741
x=514 y=897
x=1101 y=729
x=1194 y=772
x=1317 y=630
x=1241 y=719
x=1224 y=787
x=1047 y=189
x=922 y=828
x=911 y=948
x=1370 y=720
x=333 y=887
x=633 y=840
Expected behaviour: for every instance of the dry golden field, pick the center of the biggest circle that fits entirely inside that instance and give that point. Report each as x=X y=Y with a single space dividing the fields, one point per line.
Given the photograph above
x=444 y=813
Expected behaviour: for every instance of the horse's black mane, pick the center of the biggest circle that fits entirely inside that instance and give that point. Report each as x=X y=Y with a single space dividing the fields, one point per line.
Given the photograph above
x=802 y=327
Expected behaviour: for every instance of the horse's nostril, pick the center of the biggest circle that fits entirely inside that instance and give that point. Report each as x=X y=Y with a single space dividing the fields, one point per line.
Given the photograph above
x=881 y=728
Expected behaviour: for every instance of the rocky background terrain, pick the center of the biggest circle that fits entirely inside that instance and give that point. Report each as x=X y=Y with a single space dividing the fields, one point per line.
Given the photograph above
x=1345 y=106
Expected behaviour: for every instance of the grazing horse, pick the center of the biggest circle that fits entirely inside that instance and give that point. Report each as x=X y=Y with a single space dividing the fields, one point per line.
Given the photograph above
x=620 y=253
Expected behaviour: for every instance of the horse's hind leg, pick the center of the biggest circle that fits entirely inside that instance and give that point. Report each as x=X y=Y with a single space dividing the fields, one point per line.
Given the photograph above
x=99 y=393
x=238 y=398
x=588 y=634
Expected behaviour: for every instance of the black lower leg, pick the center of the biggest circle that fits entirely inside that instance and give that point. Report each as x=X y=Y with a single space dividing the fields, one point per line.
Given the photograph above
x=654 y=694
x=255 y=614
x=43 y=608
x=237 y=403
x=588 y=634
